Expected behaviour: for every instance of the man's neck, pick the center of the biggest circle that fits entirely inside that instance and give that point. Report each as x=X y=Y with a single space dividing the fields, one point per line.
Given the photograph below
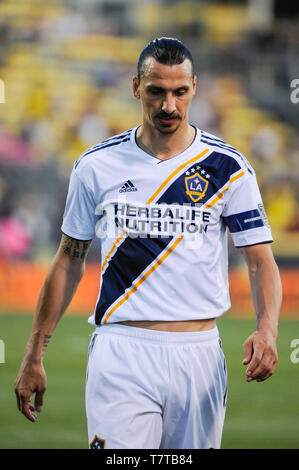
x=165 y=146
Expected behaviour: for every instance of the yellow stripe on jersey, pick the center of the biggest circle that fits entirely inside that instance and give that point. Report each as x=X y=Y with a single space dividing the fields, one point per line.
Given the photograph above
x=112 y=249
x=175 y=172
x=220 y=195
x=145 y=276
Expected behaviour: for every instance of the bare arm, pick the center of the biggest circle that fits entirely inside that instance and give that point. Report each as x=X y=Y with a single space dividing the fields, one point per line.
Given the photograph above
x=260 y=348
x=57 y=292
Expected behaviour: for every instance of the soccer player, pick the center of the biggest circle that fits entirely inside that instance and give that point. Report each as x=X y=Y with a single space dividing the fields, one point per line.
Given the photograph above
x=160 y=197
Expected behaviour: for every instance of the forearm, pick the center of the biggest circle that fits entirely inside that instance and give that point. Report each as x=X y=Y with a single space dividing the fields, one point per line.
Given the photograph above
x=266 y=294
x=56 y=294
x=58 y=290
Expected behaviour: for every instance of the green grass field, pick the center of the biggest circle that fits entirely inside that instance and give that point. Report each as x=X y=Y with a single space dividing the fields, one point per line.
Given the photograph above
x=259 y=415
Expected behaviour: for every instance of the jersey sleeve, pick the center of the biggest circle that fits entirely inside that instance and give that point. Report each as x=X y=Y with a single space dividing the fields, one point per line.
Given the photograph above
x=79 y=219
x=244 y=213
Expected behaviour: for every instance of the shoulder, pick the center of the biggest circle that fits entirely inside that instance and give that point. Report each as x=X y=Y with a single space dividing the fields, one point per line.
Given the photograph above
x=227 y=150
x=100 y=150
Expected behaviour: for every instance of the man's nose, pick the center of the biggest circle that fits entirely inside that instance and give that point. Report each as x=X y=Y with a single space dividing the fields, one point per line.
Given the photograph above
x=168 y=105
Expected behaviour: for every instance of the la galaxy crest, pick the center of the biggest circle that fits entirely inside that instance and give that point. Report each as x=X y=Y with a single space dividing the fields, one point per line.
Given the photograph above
x=196 y=186
x=97 y=443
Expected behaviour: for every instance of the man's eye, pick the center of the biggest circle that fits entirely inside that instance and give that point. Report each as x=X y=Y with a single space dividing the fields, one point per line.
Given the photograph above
x=180 y=92
x=155 y=92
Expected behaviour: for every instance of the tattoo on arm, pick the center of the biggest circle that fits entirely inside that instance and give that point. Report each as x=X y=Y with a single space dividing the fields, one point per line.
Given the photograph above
x=45 y=343
x=76 y=249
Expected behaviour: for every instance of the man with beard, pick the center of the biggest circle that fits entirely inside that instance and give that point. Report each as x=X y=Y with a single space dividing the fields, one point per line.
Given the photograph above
x=161 y=197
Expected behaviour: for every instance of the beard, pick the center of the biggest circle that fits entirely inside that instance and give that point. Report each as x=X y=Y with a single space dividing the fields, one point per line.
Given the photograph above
x=167 y=131
x=164 y=127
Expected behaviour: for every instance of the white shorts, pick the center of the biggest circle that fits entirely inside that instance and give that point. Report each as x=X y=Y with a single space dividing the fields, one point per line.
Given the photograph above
x=148 y=389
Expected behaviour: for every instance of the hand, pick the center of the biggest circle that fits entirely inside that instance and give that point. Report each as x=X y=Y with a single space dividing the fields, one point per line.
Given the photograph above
x=261 y=354
x=31 y=379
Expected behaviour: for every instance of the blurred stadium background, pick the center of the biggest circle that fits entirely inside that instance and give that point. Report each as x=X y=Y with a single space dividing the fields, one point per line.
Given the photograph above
x=65 y=85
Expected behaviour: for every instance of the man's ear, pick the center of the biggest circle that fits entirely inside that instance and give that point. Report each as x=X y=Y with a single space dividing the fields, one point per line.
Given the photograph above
x=136 y=90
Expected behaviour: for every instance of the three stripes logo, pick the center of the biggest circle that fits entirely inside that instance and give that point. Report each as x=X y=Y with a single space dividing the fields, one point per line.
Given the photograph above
x=128 y=187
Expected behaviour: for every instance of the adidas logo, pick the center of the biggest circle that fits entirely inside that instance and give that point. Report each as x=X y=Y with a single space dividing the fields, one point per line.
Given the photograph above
x=127 y=187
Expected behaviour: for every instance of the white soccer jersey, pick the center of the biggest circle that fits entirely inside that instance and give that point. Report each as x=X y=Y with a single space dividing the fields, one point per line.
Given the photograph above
x=163 y=225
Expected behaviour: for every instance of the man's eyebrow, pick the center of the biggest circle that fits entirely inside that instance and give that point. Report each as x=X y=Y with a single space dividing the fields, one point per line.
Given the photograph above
x=184 y=87
x=155 y=87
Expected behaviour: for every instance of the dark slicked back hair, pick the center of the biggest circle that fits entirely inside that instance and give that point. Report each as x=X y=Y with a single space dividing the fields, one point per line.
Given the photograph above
x=167 y=51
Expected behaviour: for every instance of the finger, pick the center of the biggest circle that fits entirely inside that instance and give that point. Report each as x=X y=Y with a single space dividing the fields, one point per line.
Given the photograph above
x=247 y=346
x=27 y=410
x=39 y=400
x=266 y=365
x=25 y=405
x=259 y=373
x=24 y=398
x=265 y=375
x=262 y=373
x=254 y=363
x=262 y=368
x=18 y=400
